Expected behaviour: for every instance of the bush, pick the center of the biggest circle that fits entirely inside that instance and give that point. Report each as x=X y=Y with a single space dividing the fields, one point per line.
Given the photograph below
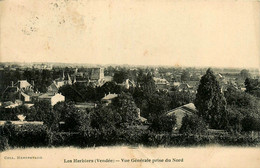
x=8 y=113
x=192 y=125
x=163 y=123
x=235 y=118
x=25 y=136
x=251 y=123
x=3 y=143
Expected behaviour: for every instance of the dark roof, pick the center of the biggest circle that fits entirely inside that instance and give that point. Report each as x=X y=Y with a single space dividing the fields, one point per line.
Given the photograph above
x=10 y=89
x=47 y=95
x=53 y=87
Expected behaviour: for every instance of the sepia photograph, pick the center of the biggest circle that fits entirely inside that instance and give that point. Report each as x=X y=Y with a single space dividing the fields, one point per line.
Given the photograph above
x=131 y=83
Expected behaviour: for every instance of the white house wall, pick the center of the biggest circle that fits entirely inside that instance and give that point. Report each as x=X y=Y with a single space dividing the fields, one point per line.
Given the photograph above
x=57 y=98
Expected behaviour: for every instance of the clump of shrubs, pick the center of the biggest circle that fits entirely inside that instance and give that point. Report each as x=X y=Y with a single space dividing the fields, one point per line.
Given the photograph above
x=251 y=123
x=24 y=135
x=163 y=123
x=192 y=124
x=3 y=143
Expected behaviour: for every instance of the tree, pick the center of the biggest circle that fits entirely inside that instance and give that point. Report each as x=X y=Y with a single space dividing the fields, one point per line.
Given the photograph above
x=163 y=123
x=72 y=94
x=252 y=86
x=51 y=120
x=110 y=87
x=192 y=125
x=75 y=120
x=251 y=123
x=64 y=108
x=210 y=102
x=181 y=98
x=105 y=118
x=146 y=83
x=45 y=113
x=42 y=108
x=240 y=99
x=185 y=76
x=243 y=110
x=144 y=91
x=120 y=76
x=244 y=73
x=158 y=104
x=126 y=107
x=235 y=118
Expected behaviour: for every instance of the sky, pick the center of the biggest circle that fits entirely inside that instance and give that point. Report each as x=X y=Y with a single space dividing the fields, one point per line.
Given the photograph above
x=139 y=32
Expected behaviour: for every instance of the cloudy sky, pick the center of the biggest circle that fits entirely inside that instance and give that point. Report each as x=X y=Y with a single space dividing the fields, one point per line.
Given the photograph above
x=144 y=32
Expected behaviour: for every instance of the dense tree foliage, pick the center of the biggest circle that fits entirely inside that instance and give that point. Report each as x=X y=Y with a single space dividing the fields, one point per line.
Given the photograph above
x=252 y=86
x=41 y=78
x=105 y=117
x=76 y=92
x=76 y=120
x=42 y=108
x=110 y=87
x=243 y=109
x=163 y=123
x=251 y=123
x=120 y=121
x=244 y=73
x=124 y=104
x=193 y=125
x=120 y=76
x=121 y=113
x=146 y=83
x=210 y=102
x=185 y=76
x=181 y=98
x=80 y=92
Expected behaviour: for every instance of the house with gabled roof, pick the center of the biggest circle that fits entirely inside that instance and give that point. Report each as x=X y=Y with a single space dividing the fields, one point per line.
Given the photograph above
x=53 y=98
x=10 y=93
x=17 y=91
x=161 y=83
x=59 y=82
x=180 y=112
x=53 y=88
x=24 y=85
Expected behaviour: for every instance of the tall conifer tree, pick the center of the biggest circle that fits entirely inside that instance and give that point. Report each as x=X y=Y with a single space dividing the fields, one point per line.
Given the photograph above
x=210 y=101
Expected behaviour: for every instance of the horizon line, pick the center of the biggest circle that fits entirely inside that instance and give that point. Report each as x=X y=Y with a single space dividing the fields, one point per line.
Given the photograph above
x=126 y=64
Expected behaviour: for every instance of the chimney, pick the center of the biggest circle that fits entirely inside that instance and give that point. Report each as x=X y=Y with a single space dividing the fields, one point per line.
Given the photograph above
x=12 y=83
x=33 y=83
